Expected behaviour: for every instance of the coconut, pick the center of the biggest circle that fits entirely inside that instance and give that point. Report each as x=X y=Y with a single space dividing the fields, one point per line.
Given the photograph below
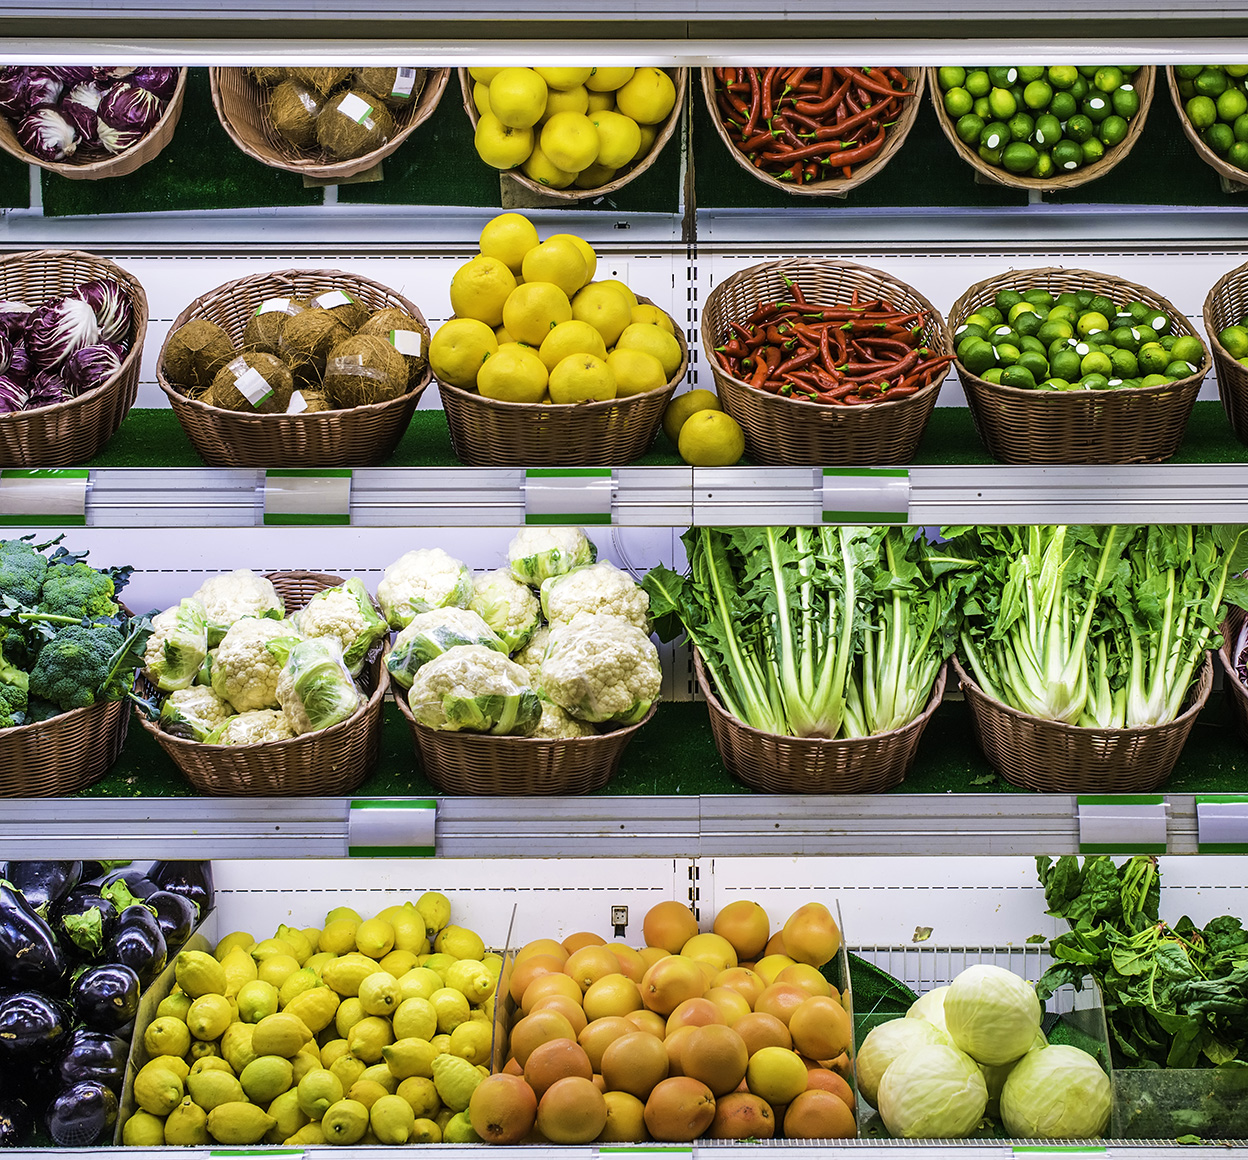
x=399 y=328
x=307 y=338
x=397 y=87
x=195 y=352
x=268 y=75
x=264 y=328
x=353 y=123
x=253 y=381
x=364 y=368
x=344 y=306
x=323 y=80
x=293 y=110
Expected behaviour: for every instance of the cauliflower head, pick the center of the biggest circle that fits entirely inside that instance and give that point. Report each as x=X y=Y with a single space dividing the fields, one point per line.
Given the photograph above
x=430 y=634
x=536 y=554
x=233 y=595
x=247 y=664
x=420 y=580
x=314 y=687
x=474 y=688
x=559 y=723
x=601 y=668
x=193 y=713
x=177 y=647
x=507 y=606
x=600 y=588
x=252 y=728
x=530 y=656
x=345 y=613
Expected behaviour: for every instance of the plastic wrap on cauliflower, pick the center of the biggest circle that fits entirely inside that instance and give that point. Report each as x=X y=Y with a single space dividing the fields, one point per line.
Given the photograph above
x=529 y=658
x=177 y=646
x=233 y=595
x=474 y=688
x=601 y=668
x=507 y=606
x=430 y=634
x=600 y=588
x=420 y=580
x=249 y=660
x=193 y=713
x=536 y=554
x=204 y=675
x=252 y=728
x=314 y=688
x=345 y=613
x=558 y=723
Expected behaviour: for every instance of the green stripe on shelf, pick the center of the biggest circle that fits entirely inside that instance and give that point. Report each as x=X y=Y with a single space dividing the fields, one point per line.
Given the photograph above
x=542 y=520
x=830 y=517
x=281 y=519
x=867 y=472
x=1120 y=799
x=1122 y=848
x=566 y=472
x=308 y=472
x=392 y=851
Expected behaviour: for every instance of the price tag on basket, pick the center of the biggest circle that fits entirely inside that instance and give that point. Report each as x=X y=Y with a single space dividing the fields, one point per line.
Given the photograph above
x=391 y=828
x=864 y=495
x=44 y=497
x=568 y=495
x=1122 y=823
x=307 y=496
x=1222 y=823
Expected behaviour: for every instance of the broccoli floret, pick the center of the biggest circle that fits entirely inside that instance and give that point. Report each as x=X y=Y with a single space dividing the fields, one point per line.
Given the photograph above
x=75 y=669
x=77 y=590
x=22 y=570
x=37 y=709
x=13 y=686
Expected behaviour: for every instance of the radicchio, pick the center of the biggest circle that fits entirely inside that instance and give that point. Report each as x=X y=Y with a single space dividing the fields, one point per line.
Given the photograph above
x=41 y=88
x=156 y=79
x=6 y=354
x=106 y=74
x=13 y=395
x=58 y=328
x=20 y=366
x=111 y=305
x=90 y=367
x=72 y=74
x=12 y=90
x=126 y=106
x=13 y=318
x=80 y=109
x=45 y=389
x=47 y=135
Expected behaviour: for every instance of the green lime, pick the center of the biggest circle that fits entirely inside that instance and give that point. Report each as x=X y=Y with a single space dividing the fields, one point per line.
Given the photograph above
x=1053 y=329
x=982 y=319
x=1067 y=155
x=950 y=76
x=1078 y=128
x=1125 y=338
x=1201 y=111
x=1053 y=385
x=1029 y=322
x=969 y=128
x=1147 y=333
x=1219 y=137
x=1138 y=310
x=1159 y=322
x=1168 y=340
x=1065 y=364
x=1017 y=376
x=1125 y=364
x=1102 y=304
x=977 y=83
x=1238 y=156
x=1022 y=306
x=977 y=357
x=1030 y=72
x=1093 y=150
x=1094 y=382
x=958 y=102
x=996 y=135
x=1002 y=104
x=1037 y=95
x=993 y=314
x=1065 y=308
x=1007 y=299
x=1095 y=362
x=1241 y=127
x=1178 y=369
x=1063 y=106
x=1096 y=107
x=1090 y=322
x=969 y=330
x=1231 y=104
x=1211 y=82
x=1080 y=88
x=1126 y=102
x=1002 y=76
x=1088 y=70
x=1048 y=130
x=1041 y=299
x=1107 y=78
x=1043 y=166
x=1113 y=129
x=1187 y=89
x=1037 y=364
x=1188 y=72
x=1004 y=333
x=966 y=349
x=1153 y=358
x=1019 y=157
x=1236 y=70
x=1235 y=339
x=1062 y=76
x=982 y=109
x=1154 y=380
x=1029 y=342
x=1007 y=353
x=1021 y=126
x=1129 y=384
x=1188 y=348
x=989 y=156
x=1083 y=299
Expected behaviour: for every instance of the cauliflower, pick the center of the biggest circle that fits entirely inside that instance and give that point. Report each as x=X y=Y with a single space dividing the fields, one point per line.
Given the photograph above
x=530 y=656
x=430 y=634
x=249 y=660
x=475 y=688
x=345 y=613
x=177 y=647
x=314 y=687
x=204 y=676
x=596 y=588
x=601 y=668
x=536 y=554
x=507 y=606
x=420 y=580
x=233 y=595
x=556 y=722
x=193 y=713
x=252 y=728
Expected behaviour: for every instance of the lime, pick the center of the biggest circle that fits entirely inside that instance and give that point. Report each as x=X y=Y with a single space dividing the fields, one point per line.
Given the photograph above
x=1095 y=362
x=1029 y=73
x=1188 y=72
x=1021 y=126
x=1004 y=333
x=1018 y=376
x=1219 y=137
x=1080 y=88
x=969 y=330
x=1053 y=329
x=1235 y=340
x=989 y=156
x=1007 y=299
x=1238 y=156
x=1062 y=76
x=1108 y=78
x=1138 y=310
x=1037 y=95
x=1094 y=382
x=1053 y=385
x=1078 y=128
x=1048 y=129
x=1090 y=322
x=1022 y=306
x=950 y=76
x=1159 y=322
x=1063 y=106
x=1153 y=358
x=1211 y=82
x=1201 y=111
x=1187 y=89
x=1178 y=369
x=1188 y=348
x=1066 y=308
x=1096 y=107
x=983 y=319
x=1124 y=363
x=1029 y=342
x=968 y=128
x=993 y=314
x=978 y=83
x=1093 y=150
x=1126 y=102
x=1154 y=380
x=1065 y=364
x=992 y=375
x=1042 y=300
x=1029 y=322
x=1231 y=104
x=1241 y=127
x=1018 y=157
x=1167 y=341
x=1125 y=338
x=1235 y=70
x=976 y=355
x=1037 y=364
x=1088 y=70
x=1102 y=304
x=958 y=102
x=1113 y=129
x=1002 y=103
x=1147 y=334
x=1002 y=76
x=1007 y=353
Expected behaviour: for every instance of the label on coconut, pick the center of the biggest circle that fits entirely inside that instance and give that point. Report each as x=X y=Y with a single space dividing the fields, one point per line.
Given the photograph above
x=392 y=828
x=1122 y=823
x=568 y=495
x=408 y=342
x=251 y=384
x=44 y=497
x=277 y=306
x=307 y=496
x=355 y=108
x=332 y=298
x=298 y=404
x=864 y=495
x=404 y=81
x=1222 y=823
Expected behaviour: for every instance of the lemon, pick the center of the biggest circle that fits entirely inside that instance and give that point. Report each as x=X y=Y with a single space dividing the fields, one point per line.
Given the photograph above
x=304 y=1063
x=187 y=1124
x=604 y=308
x=471 y=979
x=619 y=138
x=209 y=1016
x=345 y=1121
x=367 y=1037
x=533 y=309
x=456 y=352
x=538 y=167
x=450 y=1007
x=629 y=296
x=290 y=1117
x=648 y=96
x=175 y=1004
x=459 y=1130
x=317 y=1091
x=586 y=251
x=347 y=972
x=711 y=439
x=338 y=936
x=304 y=979
x=270 y=948
x=339 y=912
x=276 y=969
x=652 y=339
x=514 y=375
x=472 y=1041
x=198 y=973
x=502 y=146
x=645 y=312
x=281 y=1034
x=397 y=962
x=392 y=1119
x=425 y=1131
x=456 y=1079
x=204 y=1049
x=379 y=993
x=564 y=78
x=600 y=101
x=143 y=1130
x=434 y=906
x=211 y=1063
x=239 y=1123
x=649 y=134
x=367 y=1091
x=419 y=983
x=315 y=1008
x=313 y=935
x=350 y=1012
x=478 y=290
x=635 y=372
x=239 y=968
x=570 y=141
x=574 y=100
x=438 y=964
x=236 y=938
x=571 y=337
x=299 y=944
x=266 y=1077
x=167 y=1036
x=411 y=1056
x=348 y=1069
x=517 y=97
x=308 y=1134
x=557 y=260
x=236 y=1045
x=171 y=1063
x=607 y=80
x=210 y=1088
x=581 y=378
x=419 y=1091
x=484 y=74
x=593 y=176
x=481 y=98
x=507 y=237
x=682 y=406
x=158 y=1091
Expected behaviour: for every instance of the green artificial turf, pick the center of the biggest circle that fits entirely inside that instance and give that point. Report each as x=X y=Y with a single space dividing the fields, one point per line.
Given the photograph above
x=14 y=182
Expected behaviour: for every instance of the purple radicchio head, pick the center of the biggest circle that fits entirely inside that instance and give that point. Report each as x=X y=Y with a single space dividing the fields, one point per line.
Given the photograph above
x=13 y=318
x=20 y=366
x=72 y=74
x=6 y=354
x=41 y=87
x=12 y=90
x=46 y=388
x=126 y=114
x=58 y=328
x=111 y=305
x=90 y=367
x=47 y=135
x=80 y=109
x=107 y=74
x=13 y=395
x=156 y=79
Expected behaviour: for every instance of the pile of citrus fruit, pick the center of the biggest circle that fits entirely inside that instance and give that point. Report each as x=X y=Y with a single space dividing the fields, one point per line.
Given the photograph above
x=1216 y=103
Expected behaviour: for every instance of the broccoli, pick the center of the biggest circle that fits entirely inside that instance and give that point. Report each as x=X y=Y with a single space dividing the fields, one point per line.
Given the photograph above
x=37 y=709
x=22 y=570
x=78 y=590
x=78 y=666
x=13 y=687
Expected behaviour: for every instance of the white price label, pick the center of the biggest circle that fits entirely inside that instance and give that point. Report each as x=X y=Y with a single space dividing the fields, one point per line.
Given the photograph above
x=355 y=108
x=862 y=495
x=404 y=80
x=274 y=306
x=410 y=342
x=1122 y=823
x=298 y=404
x=308 y=496
x=44 y=497
x=392 y=828
x=568 y=495
x=253 y=386
x=332 y=298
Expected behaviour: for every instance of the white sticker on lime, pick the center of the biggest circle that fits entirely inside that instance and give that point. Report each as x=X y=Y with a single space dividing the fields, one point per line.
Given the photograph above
x=298 y=404
x=407 y=342
x=404 y=82
x=355 y=108
x=253 y=386
x=332 y=298
x=274 y=306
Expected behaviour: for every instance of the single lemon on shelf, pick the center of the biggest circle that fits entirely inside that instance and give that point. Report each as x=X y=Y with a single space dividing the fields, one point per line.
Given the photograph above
x=645 y=312
x=508 y=237
x=538 y=167
x=604 y=308
x=586 y=251
x=534 y=309
x=501 y=146
x=557 y=260
x=514 y=375
x=607 y=80
x=517 y=97
x=635 y=372
x=574 y=100
x=581 y=378
x=564 y=78
x=479 y=288
x=458 y=350
x=648 y=96
x=711 y=439
x=653 y=340
x=619 y=138
x=623 y=289
x=682 y=406
x=594 y=176
x=572 y=337
x=570 y=141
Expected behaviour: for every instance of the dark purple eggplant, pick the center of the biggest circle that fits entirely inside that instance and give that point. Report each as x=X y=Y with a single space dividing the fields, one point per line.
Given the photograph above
x=93 y=1055
x=177 y=916
x=16 y=1120
x=139 y=944
x=30 y=955
x=44 y=883
x=84 y=920
x=193 y=880
x=105 y=998
x=32 y=1023
x=137 y=881
x=81 y=1115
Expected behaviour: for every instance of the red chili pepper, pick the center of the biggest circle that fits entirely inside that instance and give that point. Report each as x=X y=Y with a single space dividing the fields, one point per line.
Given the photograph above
x=827 y=104
x=871 y=85
x=768 y=78
x=756 y=101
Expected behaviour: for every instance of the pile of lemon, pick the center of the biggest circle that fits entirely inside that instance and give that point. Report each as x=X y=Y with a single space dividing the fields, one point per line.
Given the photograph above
x=569 y=126
x=532 y=326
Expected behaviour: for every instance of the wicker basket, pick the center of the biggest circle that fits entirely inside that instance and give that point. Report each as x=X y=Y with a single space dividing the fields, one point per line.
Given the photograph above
x=1051 y=757
x=832 y=186
x=1236 y=690
x=680 y=77
x=243 y=108
x=779 y=430
x=1219 y=165
x=353 y=437
x=117 y=165
x=1144 y=81
x=773 y=763
x=481 y=764
x=73 y=431
x=490 y=433
x=1225 y=305
x=330 y=761
x=64 y=754
x=1138 y=425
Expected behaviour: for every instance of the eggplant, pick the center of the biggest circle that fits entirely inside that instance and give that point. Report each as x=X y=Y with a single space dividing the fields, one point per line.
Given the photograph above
x=176 y=914
x=94 y=1055
x=30 y=955
x=105 y=998
x=139 y=944
x=16 y=1120
x=81 y=1115
x=192 y=880
x=137 y=881
x=44 y=883
x=84 y=921
x=32 y=1023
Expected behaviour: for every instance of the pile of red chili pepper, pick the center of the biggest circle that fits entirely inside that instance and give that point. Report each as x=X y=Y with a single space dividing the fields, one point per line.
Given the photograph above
x=847 y=354
x=809 y=124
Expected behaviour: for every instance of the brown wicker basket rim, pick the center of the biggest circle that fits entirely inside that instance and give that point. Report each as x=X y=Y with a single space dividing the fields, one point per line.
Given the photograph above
x=1222 y=167
x=486 y=740
x=60 y=720
x=1234 y=619
x=1212 y=301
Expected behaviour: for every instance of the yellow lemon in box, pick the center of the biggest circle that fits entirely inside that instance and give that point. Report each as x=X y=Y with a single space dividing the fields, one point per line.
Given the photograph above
x=600 y=101
x=654 y=340
x=648 y=96
x=586 y=251
x=502 y=146
x=517 y=96
x=570 y=140
x=645 y=312
x=594 y=176
x=604 y=308
x=635 y=372
x=582 y=378
x=483 y=74
x=711 y=439
x=574 y=100
x=557 y=260
x=538 y=167
x=533 y=310
x=514 y=375
x=575 y=336
x=456 y=353
x=607 y=80
x=649 y=133
x=508 y=237
x=564 y=78
x=619 y=138
x=478 y=290
x=481 y=98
